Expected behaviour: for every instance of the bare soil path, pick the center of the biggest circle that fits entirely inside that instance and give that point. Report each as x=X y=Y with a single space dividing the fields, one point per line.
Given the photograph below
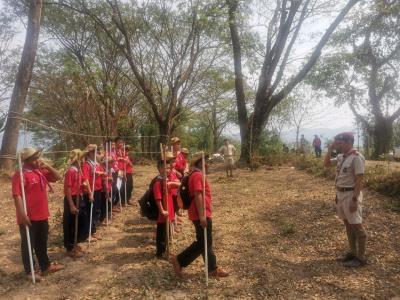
x=274 y=230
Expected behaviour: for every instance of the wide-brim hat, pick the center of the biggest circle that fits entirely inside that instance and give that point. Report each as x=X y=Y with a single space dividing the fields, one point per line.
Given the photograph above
x=185 y=151
x=90 y=148
x=29 y=152
x=169 y=155
x=75 y=155
x=175 y=140
x=198 y=156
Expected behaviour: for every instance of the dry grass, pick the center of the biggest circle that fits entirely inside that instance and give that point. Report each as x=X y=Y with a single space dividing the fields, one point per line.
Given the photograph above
x=274 y=230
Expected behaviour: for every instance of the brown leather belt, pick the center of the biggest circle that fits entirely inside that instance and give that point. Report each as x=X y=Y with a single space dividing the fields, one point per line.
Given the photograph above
x=344 y=189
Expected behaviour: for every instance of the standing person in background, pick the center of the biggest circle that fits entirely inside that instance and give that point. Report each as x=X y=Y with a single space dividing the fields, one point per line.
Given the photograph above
x=36 y=178
x=228 y=151
x=119 y=144
x=180 y=159
x=317 y=145
x=185 y=154
x=72 y=192
x=303 y=144
x=350 y=165
x=129 y=174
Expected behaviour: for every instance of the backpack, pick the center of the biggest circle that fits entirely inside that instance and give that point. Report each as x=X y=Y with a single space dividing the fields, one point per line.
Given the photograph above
x=183 y=191
x=148 y=205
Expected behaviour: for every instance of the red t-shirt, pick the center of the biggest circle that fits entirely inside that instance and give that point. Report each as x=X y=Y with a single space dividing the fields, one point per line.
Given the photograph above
x=73 y=180
x=180 y=162
x=196 y=185
x=158 y=196
x=35 y=186
x=121 y=163
x=114 y=166
x=129 y=165
x=87 y=174
x=173 y=177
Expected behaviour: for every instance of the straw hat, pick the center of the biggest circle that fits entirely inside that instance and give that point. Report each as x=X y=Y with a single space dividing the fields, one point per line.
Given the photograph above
x=75 y=155
x=197 y=156
x=175 y=140
x=185 y=151
x=29 y=152
x=169 y=155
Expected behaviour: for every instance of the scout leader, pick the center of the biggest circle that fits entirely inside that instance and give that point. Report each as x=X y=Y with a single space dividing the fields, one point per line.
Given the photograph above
x=36 y=178
x=180 y=158
x=200 y=221
x=349 y=183
x=72 y=202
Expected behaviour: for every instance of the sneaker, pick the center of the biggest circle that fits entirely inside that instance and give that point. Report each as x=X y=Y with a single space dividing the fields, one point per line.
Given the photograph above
x=218 y=272
x=347 y=257
x=354 y=263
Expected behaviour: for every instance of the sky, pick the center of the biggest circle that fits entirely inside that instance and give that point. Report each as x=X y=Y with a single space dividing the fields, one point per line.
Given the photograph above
x=329 y=116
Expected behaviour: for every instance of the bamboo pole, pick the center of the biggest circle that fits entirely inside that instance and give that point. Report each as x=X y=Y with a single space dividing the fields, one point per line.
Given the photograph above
x=91 y=204
x=126 y=200
x=28 y=237
x=107 y=184
x=112 y=182
x=77 y=206
x=203 y=170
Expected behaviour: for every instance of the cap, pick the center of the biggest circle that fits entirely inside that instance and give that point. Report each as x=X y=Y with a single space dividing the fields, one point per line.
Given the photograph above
x=175 y=140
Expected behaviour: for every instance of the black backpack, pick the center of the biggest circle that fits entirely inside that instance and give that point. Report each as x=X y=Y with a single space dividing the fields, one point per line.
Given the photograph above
x=148 y=205
x=184 y=191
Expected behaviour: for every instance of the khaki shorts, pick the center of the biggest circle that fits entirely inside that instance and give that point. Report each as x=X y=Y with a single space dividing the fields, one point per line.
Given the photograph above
x=229 y=162
x=343 y=207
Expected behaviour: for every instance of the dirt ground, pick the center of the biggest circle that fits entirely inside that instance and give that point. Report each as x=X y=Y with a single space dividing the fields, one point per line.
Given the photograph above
x=274 y=230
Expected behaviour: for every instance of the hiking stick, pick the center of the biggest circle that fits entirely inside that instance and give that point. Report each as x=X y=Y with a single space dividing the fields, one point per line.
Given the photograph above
x=112 y=182
x=91 y=204
x=164 y=157
x=203 y=171
x=28 y=237
x=107 y=184
x=77 y=206
x=126 y=179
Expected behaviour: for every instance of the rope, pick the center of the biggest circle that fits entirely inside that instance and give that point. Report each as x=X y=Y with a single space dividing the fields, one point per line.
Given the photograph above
x=81 y=134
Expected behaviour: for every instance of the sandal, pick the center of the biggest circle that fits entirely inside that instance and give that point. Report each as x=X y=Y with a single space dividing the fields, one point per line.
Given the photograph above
x=38 y=277
x=54 y=267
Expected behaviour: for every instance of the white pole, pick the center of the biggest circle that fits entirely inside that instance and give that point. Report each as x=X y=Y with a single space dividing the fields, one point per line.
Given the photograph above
x=28 y=237
x=203 y=170
x=91 y=204
x=107 y=183
x=126 y=178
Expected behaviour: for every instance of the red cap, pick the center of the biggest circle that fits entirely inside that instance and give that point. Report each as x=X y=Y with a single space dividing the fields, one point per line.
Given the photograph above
x=345 y=136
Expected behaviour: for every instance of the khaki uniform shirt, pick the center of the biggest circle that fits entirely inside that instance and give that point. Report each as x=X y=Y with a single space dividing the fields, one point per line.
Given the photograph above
x=347 y=167
x=227 y=151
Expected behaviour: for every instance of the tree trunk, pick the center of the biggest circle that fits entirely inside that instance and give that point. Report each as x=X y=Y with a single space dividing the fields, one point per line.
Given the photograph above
x=22 y=82
x=383 y=135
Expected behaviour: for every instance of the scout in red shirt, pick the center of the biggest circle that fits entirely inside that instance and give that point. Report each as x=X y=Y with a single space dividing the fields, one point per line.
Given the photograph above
x=89 y=168
x=129 y=174
x=73 y=193
x=164 y=214
x=174 y=177
x=122 y=164
x=36 y=178
x=200 y=221
x=180 y=159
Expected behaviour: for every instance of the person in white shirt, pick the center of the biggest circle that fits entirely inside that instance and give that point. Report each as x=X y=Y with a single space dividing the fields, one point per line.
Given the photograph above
x=228 y=151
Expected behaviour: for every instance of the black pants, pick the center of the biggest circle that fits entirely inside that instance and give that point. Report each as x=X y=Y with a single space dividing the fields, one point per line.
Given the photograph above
x=317 y=151
x=105 y=200
x=83 y=222
x=69 y=224
x=161 y=245
x=87 y=215
x=97 y=208
x=129 y=186
x=39 y=232
x=187 y=256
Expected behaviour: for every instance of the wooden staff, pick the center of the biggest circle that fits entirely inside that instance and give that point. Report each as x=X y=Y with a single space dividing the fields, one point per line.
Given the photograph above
x=28 y=236
x=164 y=157
x=203 y=170
x=107 y=184
x=91 y=204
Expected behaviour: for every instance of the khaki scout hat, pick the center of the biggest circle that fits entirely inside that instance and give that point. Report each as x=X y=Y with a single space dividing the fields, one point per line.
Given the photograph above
x=185 y=151
x=29 y=152
x=197 y=156
x=169 y=155
x=175 y=140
